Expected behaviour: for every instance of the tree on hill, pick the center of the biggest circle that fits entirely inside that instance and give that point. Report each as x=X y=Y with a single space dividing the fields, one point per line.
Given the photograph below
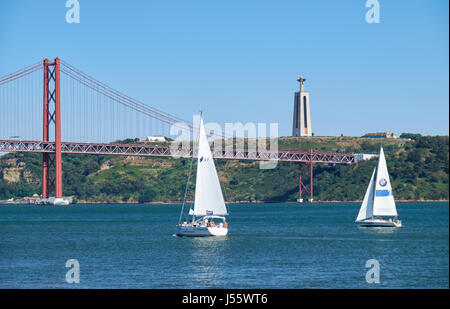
x=410 y=135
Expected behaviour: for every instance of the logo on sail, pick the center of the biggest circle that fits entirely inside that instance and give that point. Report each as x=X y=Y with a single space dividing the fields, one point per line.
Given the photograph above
x=201 y=159
x=383 y=192
x=383 y=182
x=209 y=212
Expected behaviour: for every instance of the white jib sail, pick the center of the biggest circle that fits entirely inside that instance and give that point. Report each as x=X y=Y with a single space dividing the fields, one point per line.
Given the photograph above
x=208 y=194
x=383 y=204
x=366 y=209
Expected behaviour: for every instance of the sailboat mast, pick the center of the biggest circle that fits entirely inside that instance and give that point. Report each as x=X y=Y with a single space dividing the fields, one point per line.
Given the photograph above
x=198 y=152
x=186 y=189
x=373 y=190
x=189 y=178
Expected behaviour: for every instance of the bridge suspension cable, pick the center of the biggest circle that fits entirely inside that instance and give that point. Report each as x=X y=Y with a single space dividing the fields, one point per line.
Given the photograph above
x=125 y=100
x=20 y=73
x=79 y=97
x=118 y=96
x=21 y=103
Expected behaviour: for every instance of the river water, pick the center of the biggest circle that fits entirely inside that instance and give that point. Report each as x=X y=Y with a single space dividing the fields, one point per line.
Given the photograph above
x=268 y=246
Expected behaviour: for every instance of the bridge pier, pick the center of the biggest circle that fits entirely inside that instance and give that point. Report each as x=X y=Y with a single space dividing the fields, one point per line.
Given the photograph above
x=52 y=95
x=301 y=186
x=45 y=156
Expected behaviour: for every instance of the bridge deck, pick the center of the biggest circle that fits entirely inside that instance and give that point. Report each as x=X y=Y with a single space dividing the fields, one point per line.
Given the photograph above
x=167 y=151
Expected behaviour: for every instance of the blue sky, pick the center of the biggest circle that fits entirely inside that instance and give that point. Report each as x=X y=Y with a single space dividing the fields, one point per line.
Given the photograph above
x=239 y=60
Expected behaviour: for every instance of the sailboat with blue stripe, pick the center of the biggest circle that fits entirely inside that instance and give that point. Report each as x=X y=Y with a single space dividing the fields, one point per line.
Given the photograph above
x=378 y=207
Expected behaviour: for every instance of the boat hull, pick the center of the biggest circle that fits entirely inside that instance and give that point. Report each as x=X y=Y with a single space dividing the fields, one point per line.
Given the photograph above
x=379 y=223
x=61 y=202
x=201 y=231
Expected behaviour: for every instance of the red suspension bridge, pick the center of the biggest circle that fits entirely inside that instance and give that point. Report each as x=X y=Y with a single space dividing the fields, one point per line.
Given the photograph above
x=95 y=115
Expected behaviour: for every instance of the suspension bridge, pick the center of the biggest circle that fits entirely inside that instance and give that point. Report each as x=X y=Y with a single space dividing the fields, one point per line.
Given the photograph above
x=53 y=108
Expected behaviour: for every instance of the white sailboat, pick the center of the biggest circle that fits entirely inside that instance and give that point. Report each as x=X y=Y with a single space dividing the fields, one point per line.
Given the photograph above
x=208 y=215
x=378 y=207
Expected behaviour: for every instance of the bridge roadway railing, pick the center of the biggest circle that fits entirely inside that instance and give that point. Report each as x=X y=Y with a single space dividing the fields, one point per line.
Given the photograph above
x=304 y=156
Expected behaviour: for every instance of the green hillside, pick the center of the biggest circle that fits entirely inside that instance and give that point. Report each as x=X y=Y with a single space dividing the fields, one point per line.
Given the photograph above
x=418 y=170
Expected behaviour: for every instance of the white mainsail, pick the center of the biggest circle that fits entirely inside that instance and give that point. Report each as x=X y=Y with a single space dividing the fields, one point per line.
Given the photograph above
x=366 y=210
x=208 y=194
x=383 y=203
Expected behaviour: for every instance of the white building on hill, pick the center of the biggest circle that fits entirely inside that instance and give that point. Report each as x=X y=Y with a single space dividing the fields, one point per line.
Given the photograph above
x=160 y=139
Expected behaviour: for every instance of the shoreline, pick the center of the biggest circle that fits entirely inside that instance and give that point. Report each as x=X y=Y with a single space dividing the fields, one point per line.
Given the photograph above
x=238 y=202
x=258 y=202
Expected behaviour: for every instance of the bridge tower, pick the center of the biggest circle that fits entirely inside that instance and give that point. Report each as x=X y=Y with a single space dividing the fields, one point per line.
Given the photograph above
x=52 y=115
x=301 y=186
